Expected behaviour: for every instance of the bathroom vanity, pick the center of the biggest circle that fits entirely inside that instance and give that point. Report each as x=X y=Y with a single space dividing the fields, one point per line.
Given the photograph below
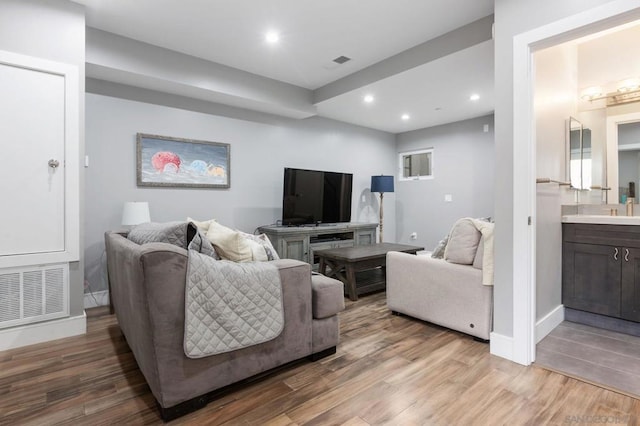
x=601 y=265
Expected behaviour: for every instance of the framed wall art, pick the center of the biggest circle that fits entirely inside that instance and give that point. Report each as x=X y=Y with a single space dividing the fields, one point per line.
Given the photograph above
x=177 y=162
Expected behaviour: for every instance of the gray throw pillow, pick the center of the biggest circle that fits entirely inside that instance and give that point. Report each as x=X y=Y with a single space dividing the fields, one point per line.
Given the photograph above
x=181 y=234
x=438 y=252
x=463 y=242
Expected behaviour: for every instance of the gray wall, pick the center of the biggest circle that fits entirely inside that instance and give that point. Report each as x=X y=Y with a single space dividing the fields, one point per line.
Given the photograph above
x=513 y=18
x=260 y=149
x=463 y=164
x=53 y=30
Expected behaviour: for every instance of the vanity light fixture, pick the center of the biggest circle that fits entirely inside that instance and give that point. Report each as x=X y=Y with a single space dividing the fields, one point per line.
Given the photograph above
x=626 y=91
x=591 y=93
x=628 y=85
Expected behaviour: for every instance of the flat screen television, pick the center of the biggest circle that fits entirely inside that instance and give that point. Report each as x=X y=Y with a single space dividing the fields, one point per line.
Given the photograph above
x=315 y=197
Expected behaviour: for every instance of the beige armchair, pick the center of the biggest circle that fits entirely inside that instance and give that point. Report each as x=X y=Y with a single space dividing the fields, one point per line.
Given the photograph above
x=451 y=293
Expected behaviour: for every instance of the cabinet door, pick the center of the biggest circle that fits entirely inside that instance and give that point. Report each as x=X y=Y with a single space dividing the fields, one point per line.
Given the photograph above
x=39 y=177
x=32 y=211
x=295 y=248
x=631 y=284
x=591 y=278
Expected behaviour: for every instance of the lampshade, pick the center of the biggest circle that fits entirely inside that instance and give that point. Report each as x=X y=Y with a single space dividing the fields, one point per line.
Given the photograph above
x=135 y=213
x=381 y=183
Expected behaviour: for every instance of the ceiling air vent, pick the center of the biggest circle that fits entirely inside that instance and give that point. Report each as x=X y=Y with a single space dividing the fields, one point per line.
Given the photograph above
x=341 y=60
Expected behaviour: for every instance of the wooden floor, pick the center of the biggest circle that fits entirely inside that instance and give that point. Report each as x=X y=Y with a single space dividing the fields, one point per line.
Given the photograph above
x=388 y=370
x=596 y=355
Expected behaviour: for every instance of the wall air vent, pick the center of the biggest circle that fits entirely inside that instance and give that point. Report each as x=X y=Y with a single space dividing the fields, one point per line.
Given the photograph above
x=33 y=293
x=341 y=60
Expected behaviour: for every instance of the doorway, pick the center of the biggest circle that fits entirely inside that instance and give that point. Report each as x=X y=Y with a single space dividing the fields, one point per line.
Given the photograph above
x=527 y=324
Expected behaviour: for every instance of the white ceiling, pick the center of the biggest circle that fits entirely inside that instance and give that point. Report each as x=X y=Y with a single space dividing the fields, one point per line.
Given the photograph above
x=312 y=33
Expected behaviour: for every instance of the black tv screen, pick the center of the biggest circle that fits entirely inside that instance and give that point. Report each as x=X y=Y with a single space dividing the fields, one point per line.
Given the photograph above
x=314 y=197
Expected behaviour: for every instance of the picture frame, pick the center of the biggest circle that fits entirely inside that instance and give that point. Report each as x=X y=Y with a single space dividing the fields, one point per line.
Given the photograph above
x=164 y=161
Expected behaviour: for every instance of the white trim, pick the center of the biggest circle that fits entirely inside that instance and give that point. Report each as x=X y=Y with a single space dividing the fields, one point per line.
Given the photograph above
x=71 y=164
x=550 y=321
x=524 y=198
x=524 y=193
x=96 y=298
x=30 y=334
x=501 y=345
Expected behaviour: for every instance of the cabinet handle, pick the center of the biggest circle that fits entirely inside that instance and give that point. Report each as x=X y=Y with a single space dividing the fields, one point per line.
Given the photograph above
x=615 y=255
x=626 y=255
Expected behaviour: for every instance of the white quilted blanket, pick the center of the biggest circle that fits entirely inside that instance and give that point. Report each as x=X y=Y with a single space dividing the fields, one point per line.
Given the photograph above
x=229 y=306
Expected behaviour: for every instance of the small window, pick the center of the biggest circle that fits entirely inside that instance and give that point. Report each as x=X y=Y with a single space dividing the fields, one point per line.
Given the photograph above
x=416 y=165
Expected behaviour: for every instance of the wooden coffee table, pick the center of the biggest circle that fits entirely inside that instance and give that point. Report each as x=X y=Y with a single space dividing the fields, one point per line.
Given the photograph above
x=344 y=262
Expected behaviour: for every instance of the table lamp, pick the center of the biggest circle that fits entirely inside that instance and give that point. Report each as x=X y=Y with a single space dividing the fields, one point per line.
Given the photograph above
x=381 y=184
x=135 y=213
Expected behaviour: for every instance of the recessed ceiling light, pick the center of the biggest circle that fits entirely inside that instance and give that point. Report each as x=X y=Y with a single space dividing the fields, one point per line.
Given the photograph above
x=405 y=117
x=272 y=37
x=474 y=97
x=368 y=98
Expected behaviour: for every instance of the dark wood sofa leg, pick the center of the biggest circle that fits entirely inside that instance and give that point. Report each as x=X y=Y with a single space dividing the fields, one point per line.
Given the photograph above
x=322 y=354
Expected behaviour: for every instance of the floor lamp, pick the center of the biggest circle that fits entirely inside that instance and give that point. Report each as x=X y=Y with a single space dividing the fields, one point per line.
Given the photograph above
x=381 y=184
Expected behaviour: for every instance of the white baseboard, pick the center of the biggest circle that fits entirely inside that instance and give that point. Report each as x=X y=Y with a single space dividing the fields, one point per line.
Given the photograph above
x=97 y=298
x=500 y=345
x=30 y=334
x=550 y=321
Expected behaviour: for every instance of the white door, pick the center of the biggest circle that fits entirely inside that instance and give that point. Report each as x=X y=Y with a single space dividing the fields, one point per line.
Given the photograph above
x=32 y=190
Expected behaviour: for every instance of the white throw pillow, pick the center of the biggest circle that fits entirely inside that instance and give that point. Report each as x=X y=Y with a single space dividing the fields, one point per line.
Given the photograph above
x=264 y=242
x=229 y=244
x=203 y=226
x=463 y=242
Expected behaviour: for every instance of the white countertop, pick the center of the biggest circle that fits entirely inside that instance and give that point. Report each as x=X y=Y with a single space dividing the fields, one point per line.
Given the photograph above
x=601 y=219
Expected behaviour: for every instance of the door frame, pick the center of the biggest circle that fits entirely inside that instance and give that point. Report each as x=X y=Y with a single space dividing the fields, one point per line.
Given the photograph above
x=584 y=23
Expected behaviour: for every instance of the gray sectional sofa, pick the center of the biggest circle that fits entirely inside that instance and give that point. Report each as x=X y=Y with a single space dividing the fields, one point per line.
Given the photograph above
x=147 y=285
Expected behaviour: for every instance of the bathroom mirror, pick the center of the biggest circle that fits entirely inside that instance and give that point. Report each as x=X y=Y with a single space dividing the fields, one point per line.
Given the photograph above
x=623 y=155
x=578 y=143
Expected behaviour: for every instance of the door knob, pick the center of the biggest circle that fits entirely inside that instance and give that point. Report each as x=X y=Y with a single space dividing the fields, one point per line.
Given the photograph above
x=53 y=163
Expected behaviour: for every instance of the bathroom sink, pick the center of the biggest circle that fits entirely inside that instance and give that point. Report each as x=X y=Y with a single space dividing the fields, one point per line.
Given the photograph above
x=601 y=219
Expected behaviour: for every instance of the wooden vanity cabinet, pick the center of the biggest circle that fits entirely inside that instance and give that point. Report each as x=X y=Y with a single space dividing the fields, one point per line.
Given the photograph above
x=601 y=269
x=630 y=290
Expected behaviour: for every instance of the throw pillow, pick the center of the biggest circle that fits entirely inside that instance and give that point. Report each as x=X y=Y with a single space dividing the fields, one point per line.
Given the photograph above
x=203 y=226
x=265 y=245
x=153 y=232
x=229 y=244
x=438 y=252
x=181 y=234
x=463 y=242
